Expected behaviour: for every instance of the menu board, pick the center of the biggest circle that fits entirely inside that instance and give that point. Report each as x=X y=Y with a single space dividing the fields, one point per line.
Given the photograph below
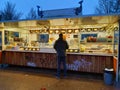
x=43 y=38
x=83 y=36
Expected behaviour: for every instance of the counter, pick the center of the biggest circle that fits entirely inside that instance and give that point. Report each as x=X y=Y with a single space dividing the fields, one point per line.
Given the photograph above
x=82 y=62
x=50 y=50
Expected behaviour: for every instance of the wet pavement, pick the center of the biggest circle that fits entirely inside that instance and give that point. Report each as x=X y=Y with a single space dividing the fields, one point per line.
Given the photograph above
x=19 y=78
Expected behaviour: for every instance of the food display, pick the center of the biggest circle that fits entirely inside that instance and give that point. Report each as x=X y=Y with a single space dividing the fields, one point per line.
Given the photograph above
x=73 y=50
x=85 y=42
x=97 y=42
x=31 y=49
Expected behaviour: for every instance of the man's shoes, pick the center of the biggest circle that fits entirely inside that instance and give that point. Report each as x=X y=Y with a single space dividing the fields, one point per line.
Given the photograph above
x=58 y=77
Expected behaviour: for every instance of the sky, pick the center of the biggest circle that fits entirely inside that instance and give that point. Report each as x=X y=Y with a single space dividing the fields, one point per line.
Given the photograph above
x=24 y=6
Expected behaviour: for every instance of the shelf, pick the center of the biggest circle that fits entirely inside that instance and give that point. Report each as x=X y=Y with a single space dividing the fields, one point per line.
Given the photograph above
x=110 y=43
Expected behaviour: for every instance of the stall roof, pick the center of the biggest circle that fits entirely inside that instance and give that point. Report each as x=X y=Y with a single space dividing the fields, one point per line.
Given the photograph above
x=55 y=20
x=65 y=16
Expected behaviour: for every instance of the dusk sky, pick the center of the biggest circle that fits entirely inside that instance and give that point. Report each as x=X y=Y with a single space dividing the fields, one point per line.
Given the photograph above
x=24 y=6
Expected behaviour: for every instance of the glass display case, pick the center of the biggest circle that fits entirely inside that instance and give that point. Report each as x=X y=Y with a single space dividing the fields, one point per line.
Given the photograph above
x=97 y=42
x=88 y=41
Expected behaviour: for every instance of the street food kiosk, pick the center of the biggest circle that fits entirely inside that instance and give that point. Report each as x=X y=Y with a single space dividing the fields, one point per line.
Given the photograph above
x=93 y=42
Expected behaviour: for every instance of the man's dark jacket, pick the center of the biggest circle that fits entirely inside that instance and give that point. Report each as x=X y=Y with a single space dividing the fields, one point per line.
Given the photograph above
x=60 y=46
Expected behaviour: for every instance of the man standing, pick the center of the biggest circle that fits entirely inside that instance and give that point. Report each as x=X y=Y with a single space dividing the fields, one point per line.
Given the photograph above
x=60 y=46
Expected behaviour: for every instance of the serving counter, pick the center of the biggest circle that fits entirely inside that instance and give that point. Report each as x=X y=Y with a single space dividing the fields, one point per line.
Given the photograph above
x=83 y=62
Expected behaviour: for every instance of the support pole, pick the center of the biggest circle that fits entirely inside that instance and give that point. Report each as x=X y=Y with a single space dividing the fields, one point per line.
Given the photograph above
x=117 y=71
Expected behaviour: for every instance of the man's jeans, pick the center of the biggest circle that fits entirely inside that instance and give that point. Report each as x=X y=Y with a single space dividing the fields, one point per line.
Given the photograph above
x=61 y=60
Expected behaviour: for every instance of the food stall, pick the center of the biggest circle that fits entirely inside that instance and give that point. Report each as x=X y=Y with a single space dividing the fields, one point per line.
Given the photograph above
x=93 y=42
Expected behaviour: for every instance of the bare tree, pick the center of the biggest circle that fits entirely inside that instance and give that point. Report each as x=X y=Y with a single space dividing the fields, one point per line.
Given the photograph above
x=10 y=13
x=0 y=16
x=108 y=6
x=32 y=14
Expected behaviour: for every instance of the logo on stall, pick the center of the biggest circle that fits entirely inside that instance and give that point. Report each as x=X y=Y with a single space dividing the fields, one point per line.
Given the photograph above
x=79 y=64
x=31 y=64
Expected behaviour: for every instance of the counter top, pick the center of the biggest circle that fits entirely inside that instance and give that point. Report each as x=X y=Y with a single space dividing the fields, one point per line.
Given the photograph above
x=53 y=51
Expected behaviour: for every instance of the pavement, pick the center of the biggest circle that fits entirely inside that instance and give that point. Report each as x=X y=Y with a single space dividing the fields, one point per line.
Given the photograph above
x=24 y=78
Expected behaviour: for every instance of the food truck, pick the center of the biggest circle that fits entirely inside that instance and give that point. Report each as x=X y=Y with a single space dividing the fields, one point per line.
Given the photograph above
x=93 y=42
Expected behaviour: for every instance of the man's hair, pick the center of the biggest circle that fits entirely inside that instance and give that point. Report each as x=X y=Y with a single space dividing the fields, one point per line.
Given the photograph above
x=60 y=35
